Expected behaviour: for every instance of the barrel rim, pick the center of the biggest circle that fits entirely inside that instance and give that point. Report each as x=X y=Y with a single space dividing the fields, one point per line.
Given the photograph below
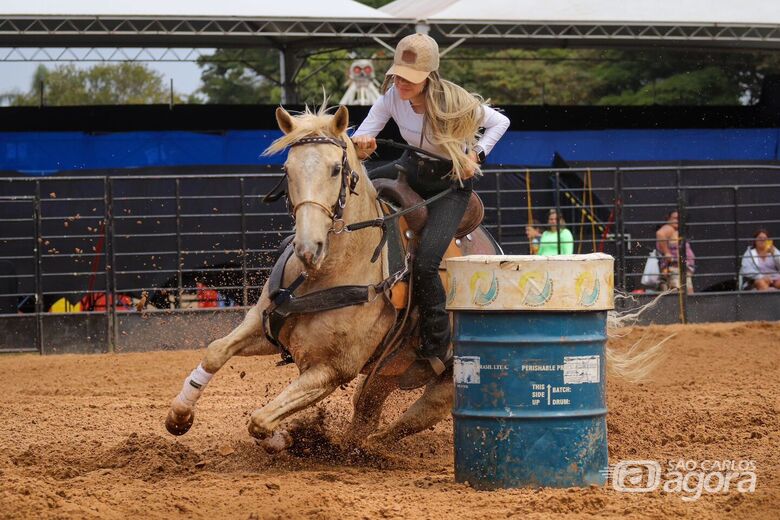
x=501 y=259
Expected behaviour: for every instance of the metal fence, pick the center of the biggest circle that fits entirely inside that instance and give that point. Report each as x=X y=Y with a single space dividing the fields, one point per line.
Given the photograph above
x=92 y=245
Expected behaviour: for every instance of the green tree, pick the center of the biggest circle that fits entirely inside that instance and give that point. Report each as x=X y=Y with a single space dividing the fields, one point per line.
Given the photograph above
x=517 y=76
x=251 y=76
x=104 y=84
x=710 y=85
x=240 y=76
x=682 y=77
x=597 y=77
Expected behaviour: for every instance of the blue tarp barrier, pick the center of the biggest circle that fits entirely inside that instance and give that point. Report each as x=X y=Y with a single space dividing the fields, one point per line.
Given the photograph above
x=46 y=153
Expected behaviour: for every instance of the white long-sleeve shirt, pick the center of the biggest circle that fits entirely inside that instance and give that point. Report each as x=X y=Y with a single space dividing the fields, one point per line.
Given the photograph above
x=410 y=123
x=755 y=267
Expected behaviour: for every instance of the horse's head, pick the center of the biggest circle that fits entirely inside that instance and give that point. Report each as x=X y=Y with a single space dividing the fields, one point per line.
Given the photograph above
x=317 y=171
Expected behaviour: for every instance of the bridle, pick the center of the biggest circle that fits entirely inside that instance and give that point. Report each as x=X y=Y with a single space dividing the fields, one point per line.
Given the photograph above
x=349 y=180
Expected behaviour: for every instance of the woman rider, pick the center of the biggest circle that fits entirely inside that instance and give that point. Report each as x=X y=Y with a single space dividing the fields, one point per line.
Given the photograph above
x=444 y=119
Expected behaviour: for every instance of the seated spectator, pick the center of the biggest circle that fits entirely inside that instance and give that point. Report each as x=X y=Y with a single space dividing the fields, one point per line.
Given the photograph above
x=667 y=245
x=549 y=242
x=761 y=264
x=534 y=236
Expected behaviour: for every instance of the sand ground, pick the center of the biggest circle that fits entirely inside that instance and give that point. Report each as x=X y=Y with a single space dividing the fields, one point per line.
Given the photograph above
x=83 y=437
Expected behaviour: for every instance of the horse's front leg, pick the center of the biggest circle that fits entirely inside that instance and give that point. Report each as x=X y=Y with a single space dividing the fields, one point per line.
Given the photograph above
x=311 y=386
x=247 y=337
x=330 y=348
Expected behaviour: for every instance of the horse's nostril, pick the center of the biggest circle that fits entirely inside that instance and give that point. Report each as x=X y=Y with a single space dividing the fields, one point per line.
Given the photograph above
x=320 y=245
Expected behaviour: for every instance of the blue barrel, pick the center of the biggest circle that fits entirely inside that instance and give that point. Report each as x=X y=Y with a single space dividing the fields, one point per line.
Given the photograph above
x=530 y=394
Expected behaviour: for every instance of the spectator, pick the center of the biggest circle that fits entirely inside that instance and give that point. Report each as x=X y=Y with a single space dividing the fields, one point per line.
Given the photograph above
x=761 y=263
x=667 y=245
x=548 y=244
x=534 y=236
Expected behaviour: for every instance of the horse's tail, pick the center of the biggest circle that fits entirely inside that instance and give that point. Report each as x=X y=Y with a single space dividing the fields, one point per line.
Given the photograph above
x=636 y=363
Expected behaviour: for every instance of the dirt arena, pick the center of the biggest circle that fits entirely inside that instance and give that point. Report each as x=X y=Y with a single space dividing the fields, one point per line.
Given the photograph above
x=83 y=437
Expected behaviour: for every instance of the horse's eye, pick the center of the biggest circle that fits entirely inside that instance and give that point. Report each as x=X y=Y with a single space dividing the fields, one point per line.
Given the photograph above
x=336 y=170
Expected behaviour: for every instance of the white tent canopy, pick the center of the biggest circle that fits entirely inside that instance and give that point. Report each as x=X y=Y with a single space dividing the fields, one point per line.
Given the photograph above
x=347 y=9
x=319 y=23
x=694 y=23
x=288 y=25
x=592 y=11
x=194 y=23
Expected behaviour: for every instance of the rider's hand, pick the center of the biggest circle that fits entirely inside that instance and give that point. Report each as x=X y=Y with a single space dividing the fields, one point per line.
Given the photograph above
x=471 y=167
x=365 y=145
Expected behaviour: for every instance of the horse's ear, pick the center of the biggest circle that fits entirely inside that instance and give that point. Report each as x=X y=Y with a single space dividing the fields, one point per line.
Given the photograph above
x=285 y=120
x=340 y=120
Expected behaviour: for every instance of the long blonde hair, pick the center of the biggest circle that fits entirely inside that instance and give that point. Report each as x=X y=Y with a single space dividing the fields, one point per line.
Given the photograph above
x=452 y=119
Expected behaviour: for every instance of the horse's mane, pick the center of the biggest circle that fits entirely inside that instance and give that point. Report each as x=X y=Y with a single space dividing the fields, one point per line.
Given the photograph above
x=308 y=123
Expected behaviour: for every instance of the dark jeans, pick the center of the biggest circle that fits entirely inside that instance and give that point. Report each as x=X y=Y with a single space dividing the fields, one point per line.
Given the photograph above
x=444 y=216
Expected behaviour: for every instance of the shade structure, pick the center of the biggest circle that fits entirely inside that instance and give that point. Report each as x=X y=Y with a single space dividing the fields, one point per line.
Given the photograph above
x=749 y=24
x=193 y=23
x=753 y=24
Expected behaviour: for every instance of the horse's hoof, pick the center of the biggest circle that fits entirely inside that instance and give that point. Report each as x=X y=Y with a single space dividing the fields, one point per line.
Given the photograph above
x=279 y=441
x=178 y=428
x=257 y=427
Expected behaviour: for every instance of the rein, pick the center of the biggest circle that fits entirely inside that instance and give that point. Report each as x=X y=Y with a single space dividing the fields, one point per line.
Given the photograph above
x=380 y=222
x=417 y=149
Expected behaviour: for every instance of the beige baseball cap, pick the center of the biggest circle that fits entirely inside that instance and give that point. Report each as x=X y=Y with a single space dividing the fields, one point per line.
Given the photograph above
x=416 y=56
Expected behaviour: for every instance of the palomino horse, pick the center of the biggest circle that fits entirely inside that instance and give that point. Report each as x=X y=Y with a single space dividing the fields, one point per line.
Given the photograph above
x=331 y=347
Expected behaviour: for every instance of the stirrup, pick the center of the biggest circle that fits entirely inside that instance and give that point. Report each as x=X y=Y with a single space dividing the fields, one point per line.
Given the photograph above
x=422 y=371
x=437 y=364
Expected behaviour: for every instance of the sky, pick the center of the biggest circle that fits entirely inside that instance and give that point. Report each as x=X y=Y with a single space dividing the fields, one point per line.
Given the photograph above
x=18 y=75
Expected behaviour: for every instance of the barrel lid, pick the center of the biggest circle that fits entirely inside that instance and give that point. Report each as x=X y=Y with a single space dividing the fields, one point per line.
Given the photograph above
x=531 y=282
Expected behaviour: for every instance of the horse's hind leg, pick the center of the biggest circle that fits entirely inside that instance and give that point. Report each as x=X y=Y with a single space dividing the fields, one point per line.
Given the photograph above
x=429 y=409
x=368 y=401
x=248 y=336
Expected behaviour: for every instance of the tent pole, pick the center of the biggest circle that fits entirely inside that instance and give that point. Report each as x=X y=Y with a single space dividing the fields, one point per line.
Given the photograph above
x=288 y=69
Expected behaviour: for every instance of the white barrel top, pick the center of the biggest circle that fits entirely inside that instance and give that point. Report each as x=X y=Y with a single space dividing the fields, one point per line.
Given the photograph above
x=529 y=282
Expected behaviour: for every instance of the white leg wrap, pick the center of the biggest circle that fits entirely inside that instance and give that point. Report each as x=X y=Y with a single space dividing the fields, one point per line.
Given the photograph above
x=194 y=385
